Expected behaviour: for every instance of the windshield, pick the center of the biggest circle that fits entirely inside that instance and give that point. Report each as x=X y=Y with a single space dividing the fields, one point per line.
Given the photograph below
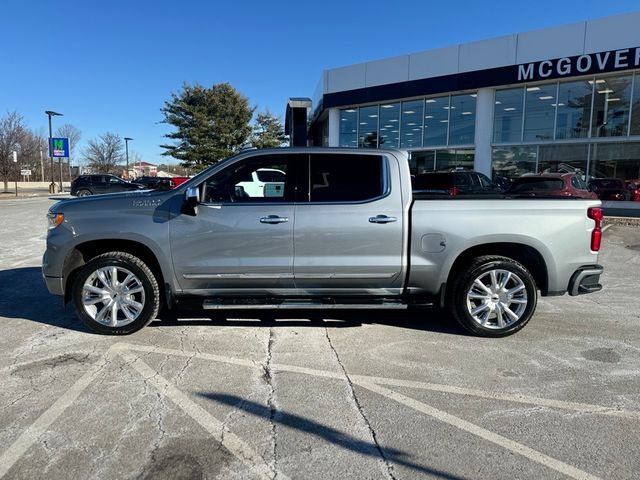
x=270 y=176
x=536 y=185
x=609 y=183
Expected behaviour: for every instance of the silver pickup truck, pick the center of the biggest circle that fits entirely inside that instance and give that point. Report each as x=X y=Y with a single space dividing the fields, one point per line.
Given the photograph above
x=344 y=230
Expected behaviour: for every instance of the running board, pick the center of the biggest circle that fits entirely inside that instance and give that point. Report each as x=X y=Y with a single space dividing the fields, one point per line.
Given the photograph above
x=301 y=305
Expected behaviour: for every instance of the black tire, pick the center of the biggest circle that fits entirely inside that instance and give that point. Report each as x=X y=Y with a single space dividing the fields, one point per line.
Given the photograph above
x=461 y=306
x=83 y=192
x=147 y=280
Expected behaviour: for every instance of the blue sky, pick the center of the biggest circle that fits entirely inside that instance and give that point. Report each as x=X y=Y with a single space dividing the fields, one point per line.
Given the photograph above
x=110 y=65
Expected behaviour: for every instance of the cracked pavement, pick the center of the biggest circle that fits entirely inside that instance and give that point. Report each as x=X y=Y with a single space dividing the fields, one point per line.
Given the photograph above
x=315 y=395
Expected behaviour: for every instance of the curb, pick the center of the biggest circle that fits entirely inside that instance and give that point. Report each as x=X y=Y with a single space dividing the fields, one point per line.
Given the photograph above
x=623 y=221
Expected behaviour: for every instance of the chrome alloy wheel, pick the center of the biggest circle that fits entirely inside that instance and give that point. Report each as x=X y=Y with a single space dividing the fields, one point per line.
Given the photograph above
x=113 y=296
x=497 y=299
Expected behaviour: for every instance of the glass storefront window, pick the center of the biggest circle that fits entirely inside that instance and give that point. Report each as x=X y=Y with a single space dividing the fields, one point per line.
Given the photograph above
x=462 y=119
x=411 y=127
x=422 y=161
x=611 y=104
x=635 y=109
x=349 y=127
x=567 y=158
x=507 y=118
x=448 y=159
x=540 y=109
x=436 y=120
x=389 y=115
x=368 y=127
x=513 y=162
x=615 y=160
x=574 y=109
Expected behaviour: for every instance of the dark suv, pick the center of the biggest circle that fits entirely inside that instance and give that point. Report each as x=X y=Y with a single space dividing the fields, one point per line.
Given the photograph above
x=86 y=185
x=610 y=189
x=155 y=183
x=459 y=182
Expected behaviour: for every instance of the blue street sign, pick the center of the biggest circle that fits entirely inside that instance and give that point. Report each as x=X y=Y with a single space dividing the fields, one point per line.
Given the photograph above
x=59 y=147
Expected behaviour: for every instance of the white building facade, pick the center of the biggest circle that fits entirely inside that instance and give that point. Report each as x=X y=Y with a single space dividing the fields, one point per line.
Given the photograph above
x=560 y=99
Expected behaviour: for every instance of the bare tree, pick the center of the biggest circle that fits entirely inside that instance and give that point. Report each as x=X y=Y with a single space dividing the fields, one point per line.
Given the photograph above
x=73 y=134
x=33 y=150
x=103 y=154
x=12 y=133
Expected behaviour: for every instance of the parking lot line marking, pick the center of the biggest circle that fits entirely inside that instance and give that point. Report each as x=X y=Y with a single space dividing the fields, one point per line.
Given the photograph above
x=179 y=353
x=207 y=421
x=478 y=431
x=507 y=397
x=31 y=435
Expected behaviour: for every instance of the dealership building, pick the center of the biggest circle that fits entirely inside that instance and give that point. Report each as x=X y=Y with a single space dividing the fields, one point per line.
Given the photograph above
x=560 y=99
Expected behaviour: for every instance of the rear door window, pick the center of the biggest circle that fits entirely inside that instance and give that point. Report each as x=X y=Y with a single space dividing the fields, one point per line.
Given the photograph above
x=346 y=178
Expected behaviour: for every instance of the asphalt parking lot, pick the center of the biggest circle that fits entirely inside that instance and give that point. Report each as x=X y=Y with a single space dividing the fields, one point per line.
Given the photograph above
x=301 y=395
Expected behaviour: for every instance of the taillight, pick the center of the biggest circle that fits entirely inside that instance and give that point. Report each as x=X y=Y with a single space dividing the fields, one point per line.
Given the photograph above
x=595 y=213
x=453 y=191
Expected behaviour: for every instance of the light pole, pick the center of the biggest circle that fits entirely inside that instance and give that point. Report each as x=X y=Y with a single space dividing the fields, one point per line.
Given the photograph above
x=126 y=149
x=50 y=114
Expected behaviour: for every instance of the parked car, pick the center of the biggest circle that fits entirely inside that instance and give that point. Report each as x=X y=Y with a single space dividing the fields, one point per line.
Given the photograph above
x=609 y=189
x=634 y=188
x=503 y=183
x=551 y=185
x=86 y=185
x=453 y=183
x=155 y=183
x=264 y=182
x=358 y=244
x=177 y=181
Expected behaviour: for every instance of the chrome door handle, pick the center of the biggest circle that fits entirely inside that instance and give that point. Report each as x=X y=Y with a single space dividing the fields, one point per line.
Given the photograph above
x=274 y=219
x=382 y=219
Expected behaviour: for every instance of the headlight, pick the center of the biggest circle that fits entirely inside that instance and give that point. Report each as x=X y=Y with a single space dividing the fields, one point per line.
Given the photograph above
x=54 y=219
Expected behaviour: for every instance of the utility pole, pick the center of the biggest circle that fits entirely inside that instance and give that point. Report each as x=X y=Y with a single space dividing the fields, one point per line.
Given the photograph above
x=52 y=186
x=126 y=148
x=41 y=164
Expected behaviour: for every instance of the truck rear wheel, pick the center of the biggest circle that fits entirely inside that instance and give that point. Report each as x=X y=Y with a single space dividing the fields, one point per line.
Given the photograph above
x=494 y=296
x=116 y=293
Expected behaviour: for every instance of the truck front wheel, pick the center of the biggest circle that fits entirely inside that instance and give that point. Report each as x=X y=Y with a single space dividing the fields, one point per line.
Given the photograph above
x=494 y=296
x=116 y=293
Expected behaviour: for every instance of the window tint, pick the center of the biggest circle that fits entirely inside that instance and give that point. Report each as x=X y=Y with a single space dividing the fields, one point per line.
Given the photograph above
x=433 y=180
x=575 y=183
x=345 y=178
x=113 y=180
x=463 y=180
x=235 y=184
x=270 y=175
x=484 y=181
x=536 y=185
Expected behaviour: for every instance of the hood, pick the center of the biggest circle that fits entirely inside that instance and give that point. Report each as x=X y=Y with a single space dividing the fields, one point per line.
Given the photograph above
x=118 y=200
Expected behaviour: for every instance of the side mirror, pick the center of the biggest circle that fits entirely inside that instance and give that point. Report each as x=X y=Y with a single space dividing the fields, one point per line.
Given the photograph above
x=192 y=196
x=191 y=200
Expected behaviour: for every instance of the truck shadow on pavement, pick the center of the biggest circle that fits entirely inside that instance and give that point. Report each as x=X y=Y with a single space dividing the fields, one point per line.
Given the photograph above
x=23 y=294
x=336 y=437
x=425 y=319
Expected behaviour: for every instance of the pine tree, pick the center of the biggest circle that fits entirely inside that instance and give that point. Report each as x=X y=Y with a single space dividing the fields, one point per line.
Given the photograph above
x=268 y=131
x=211 y=124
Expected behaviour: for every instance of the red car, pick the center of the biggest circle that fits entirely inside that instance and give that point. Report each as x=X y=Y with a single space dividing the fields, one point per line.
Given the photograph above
x=634 y=189
x=177 y=181
x=551 y=185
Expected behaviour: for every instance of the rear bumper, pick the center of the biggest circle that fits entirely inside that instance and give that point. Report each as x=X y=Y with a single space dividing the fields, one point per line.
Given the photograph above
x=586 y=280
